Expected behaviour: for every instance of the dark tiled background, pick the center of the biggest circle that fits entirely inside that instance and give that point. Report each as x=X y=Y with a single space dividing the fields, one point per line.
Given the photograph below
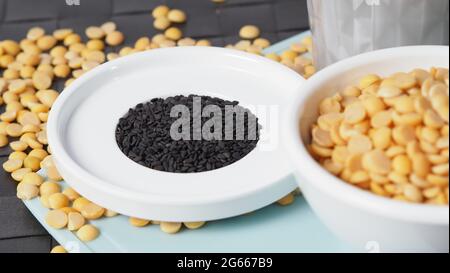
x=278 y=19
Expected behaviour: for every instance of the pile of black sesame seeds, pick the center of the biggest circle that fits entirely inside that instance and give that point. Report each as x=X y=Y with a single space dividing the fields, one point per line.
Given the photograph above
x=143 y=135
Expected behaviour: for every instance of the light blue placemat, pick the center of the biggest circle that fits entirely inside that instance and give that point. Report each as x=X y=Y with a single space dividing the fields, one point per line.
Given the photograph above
x=285 y=44
x=273 y=229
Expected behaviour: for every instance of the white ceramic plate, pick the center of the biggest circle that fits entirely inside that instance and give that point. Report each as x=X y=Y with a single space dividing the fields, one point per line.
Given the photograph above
x=82 y=123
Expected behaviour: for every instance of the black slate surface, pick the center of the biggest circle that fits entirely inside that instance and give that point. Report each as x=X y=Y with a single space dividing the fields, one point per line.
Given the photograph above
x=277 y=19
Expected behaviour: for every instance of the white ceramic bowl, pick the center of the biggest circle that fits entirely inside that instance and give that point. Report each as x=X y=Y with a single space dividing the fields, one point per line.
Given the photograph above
x=82 y=124
x=359 y=217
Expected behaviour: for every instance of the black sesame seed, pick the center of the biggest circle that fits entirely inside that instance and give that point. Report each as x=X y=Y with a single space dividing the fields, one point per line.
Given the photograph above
x=144 y=136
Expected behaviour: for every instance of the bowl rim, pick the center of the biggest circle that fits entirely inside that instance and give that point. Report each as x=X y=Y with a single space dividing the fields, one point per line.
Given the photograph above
x=306 y=166
x=69 y=165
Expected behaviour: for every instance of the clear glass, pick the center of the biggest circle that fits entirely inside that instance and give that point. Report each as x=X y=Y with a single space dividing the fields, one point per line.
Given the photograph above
x=343 y=28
